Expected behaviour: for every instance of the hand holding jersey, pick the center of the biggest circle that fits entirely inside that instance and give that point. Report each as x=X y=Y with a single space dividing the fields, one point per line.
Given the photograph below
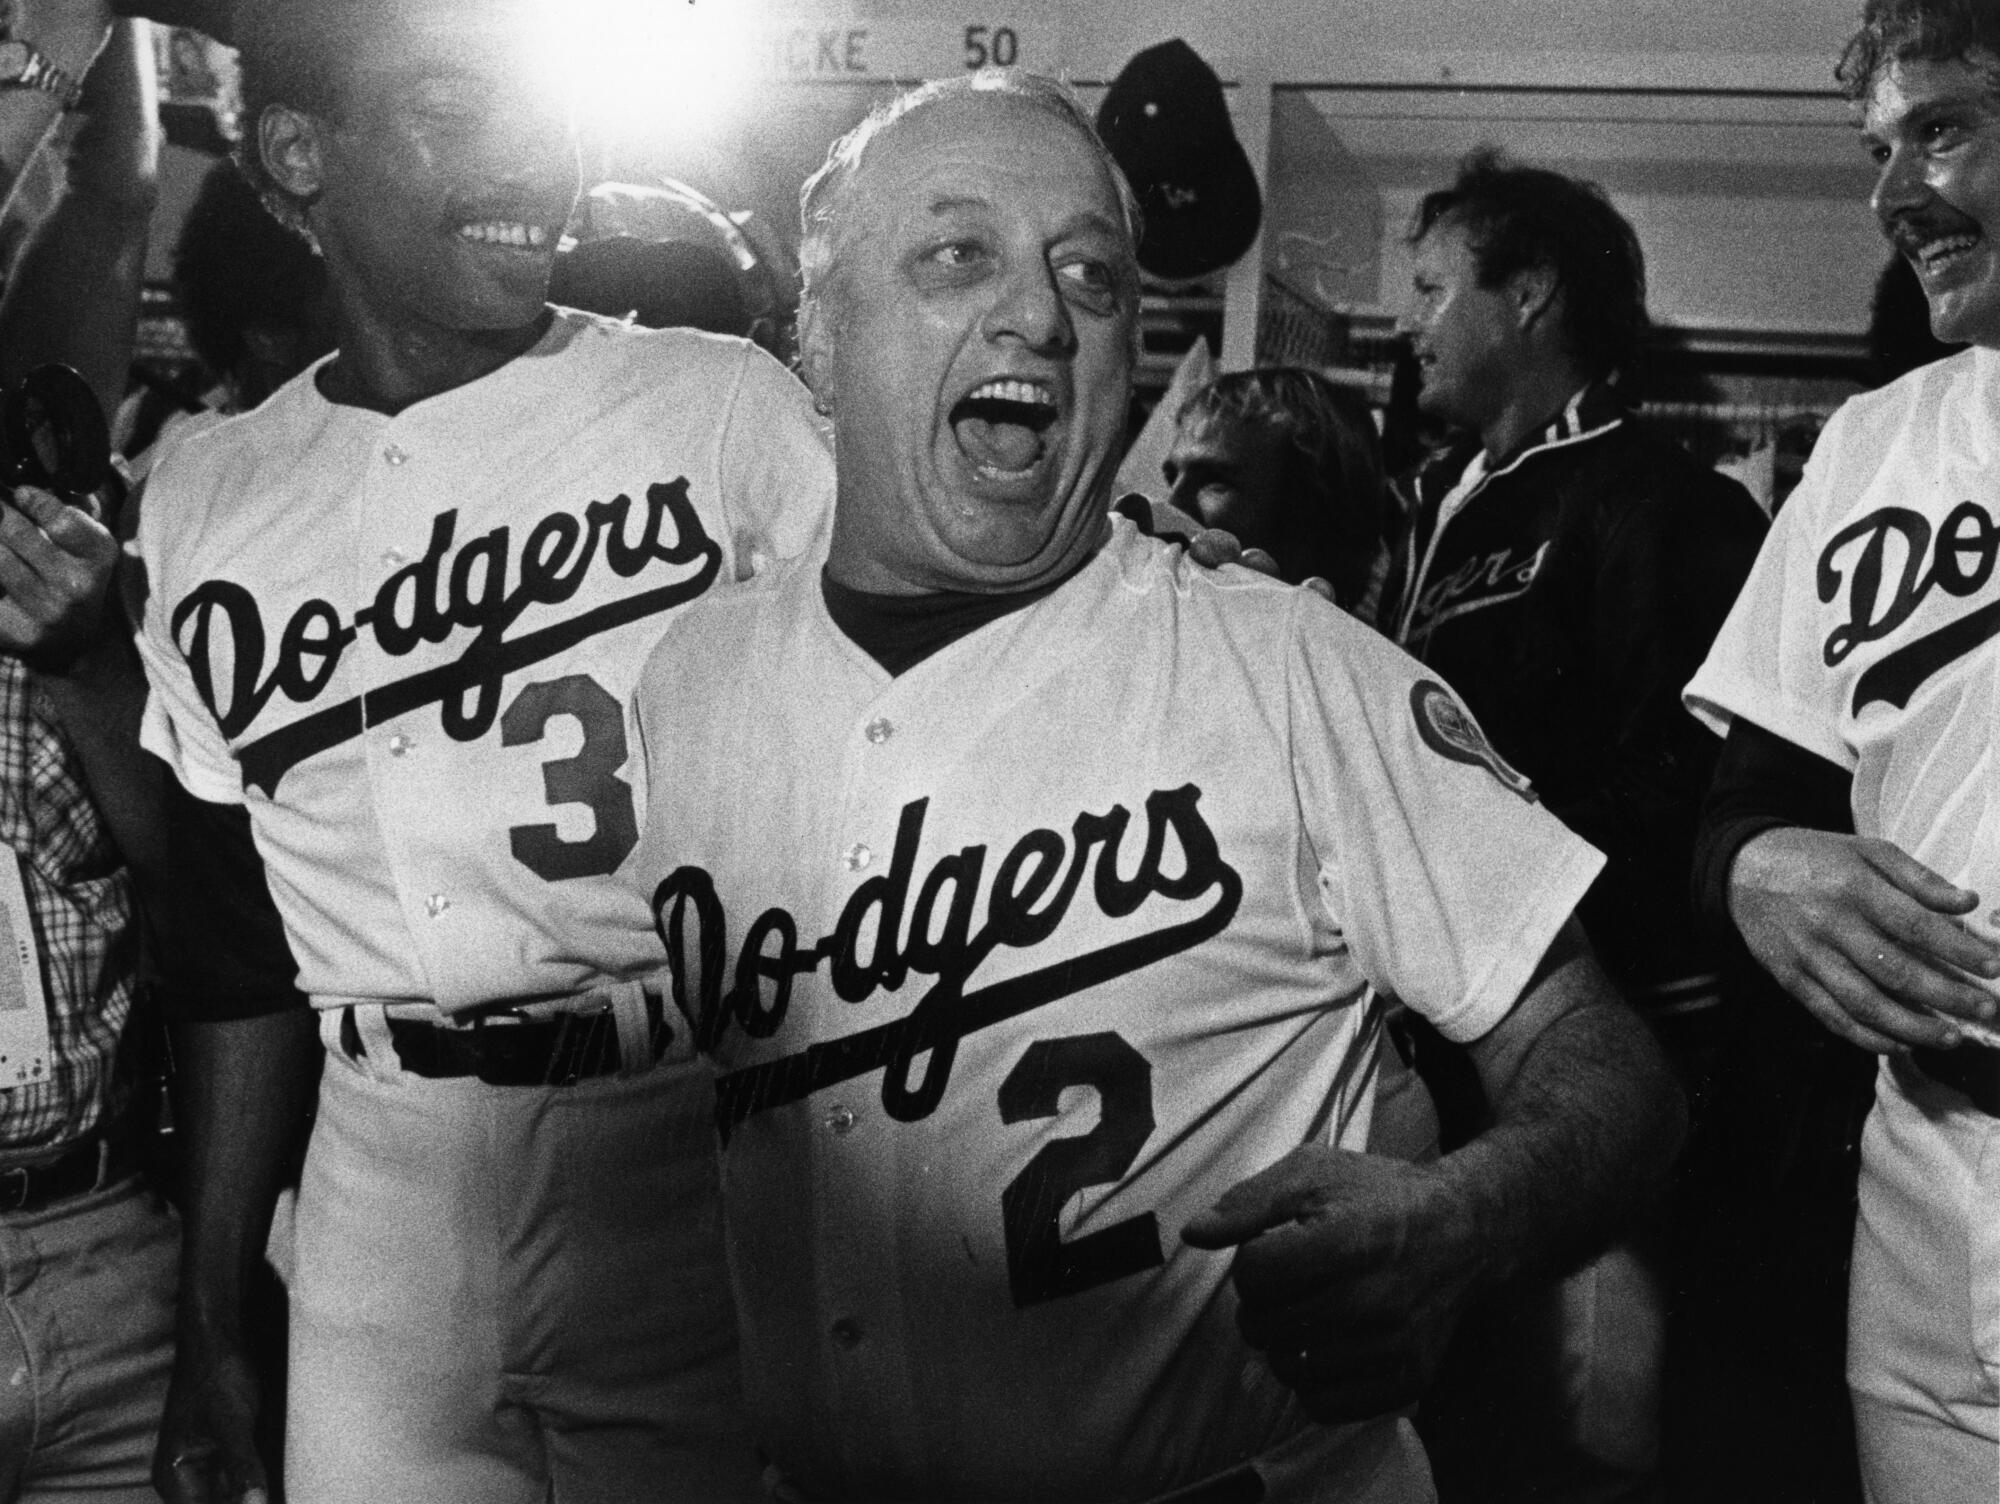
x=976 y=1288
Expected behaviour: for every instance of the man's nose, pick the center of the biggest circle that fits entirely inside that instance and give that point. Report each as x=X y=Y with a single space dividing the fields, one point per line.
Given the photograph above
x=537 y=145
x=1900 y=186
x=1030 y=308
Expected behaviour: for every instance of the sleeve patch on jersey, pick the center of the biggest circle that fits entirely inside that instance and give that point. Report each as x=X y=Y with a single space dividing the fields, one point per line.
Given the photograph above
x=1448 y=731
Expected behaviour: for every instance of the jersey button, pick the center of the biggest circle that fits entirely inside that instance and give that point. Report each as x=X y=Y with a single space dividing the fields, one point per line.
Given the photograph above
x=393 y=556
x=400 y=745
x=879 y=730
x=841 y=1120
x=846 y=1334
x=436 y=904
x=858 y=856
x=395 y=454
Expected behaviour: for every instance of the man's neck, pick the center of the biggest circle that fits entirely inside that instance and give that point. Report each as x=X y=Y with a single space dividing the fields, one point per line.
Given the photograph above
x=1538 y=394
x=387 y=370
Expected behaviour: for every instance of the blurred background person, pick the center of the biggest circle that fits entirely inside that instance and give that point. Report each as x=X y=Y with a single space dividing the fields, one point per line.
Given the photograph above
x=1289 y=463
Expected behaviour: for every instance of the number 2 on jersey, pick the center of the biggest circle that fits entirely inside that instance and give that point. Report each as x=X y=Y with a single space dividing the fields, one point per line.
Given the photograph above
x=1040 y=1264
x=590 y=778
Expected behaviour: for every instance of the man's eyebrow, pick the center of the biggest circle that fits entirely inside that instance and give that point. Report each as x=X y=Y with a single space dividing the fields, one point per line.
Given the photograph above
x=1093 y=219
x=947 y=203
x=1974 y=102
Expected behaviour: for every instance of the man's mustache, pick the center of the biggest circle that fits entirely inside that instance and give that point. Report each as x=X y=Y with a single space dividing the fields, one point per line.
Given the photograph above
x=1909 y=232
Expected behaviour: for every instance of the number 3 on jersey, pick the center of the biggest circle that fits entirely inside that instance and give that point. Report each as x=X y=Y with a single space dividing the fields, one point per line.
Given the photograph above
x=1040 y=1264
x=590 y=778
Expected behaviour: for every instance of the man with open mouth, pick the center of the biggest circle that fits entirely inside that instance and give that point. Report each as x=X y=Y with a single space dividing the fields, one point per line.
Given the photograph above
x=1036 y=892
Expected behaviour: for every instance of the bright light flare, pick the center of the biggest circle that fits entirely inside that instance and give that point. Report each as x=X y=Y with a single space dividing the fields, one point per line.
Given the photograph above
x=633 y=68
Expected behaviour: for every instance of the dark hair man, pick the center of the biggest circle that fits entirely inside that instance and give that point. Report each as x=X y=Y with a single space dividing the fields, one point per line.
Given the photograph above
x=1006 y=1080
x=1289 y=463
x=1850 y=838
x=394 y=613
x=1565 y=568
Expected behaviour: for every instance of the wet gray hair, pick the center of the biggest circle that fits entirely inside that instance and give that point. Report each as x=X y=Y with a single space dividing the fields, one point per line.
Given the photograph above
x=824 y=197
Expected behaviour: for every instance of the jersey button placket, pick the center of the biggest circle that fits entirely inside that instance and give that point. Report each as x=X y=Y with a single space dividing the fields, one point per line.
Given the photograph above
x=396 y=526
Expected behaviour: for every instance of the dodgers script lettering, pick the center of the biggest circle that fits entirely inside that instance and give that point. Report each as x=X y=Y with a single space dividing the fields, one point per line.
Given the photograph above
x=1890 y=562
x=484 y=589
x=871 y=948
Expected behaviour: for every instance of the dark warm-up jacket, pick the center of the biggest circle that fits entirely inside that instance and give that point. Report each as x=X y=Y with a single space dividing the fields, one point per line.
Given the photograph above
x=1568 y=593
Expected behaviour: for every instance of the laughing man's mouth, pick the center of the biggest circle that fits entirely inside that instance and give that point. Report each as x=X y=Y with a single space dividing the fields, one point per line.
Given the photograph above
x=524 y=237
x=1932 y=255
x=1000 y=424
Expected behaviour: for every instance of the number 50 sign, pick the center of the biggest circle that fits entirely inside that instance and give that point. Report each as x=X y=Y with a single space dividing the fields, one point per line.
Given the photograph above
x=996 y=46
x=838 y=44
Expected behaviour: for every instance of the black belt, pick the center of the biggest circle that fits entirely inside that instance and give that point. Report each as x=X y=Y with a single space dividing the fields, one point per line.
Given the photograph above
x=1970 y=1068
x=505 y=1049
x=75 y=1172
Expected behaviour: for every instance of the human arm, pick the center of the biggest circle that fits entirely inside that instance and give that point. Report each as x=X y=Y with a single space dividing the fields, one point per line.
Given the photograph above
x=69 y=33
x=1867 y=939
x=73 y=295
x=1351 y=1271
x=243 y=1094
x=246 y=1055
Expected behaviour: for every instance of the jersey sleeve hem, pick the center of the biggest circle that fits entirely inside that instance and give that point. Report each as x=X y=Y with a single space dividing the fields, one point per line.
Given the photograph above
x=1541 y=918
x=1718 y=700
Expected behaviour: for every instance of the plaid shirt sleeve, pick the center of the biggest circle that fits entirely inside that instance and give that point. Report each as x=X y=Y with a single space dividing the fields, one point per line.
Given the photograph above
x=80 y=899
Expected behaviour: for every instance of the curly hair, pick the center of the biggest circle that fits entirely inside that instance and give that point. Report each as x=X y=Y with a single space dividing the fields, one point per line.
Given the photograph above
x=1518 y=219
x=1331 y=520
x=1931 y=30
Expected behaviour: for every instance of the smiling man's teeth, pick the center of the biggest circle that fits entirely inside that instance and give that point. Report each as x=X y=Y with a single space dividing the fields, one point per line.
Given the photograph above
x=501 y=232
x=1029 y=393
x=1936 y=251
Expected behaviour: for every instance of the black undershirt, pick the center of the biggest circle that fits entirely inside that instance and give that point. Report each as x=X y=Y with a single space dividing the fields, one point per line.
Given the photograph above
x=1761 y=781
x=901 y=631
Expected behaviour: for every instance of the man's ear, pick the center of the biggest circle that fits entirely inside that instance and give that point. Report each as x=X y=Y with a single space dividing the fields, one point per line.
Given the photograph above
x=1533 y=292
x=288 y=141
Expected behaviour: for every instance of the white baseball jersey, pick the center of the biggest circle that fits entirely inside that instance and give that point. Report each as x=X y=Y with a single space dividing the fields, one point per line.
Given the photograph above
x=1865 y=632
x=1018 y=961
x=406 y=642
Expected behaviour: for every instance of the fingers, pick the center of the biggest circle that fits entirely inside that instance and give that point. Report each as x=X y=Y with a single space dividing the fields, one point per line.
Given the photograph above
x=1834 y=1016
x=1257 y=559
x=1915 y=879
x=71 y=529
x=55 y=567
x=1212 y=548
x=1861 y=998
x=1271 y=1198
x=1914 y=980
x=1906 y=923
x=1321 y=588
